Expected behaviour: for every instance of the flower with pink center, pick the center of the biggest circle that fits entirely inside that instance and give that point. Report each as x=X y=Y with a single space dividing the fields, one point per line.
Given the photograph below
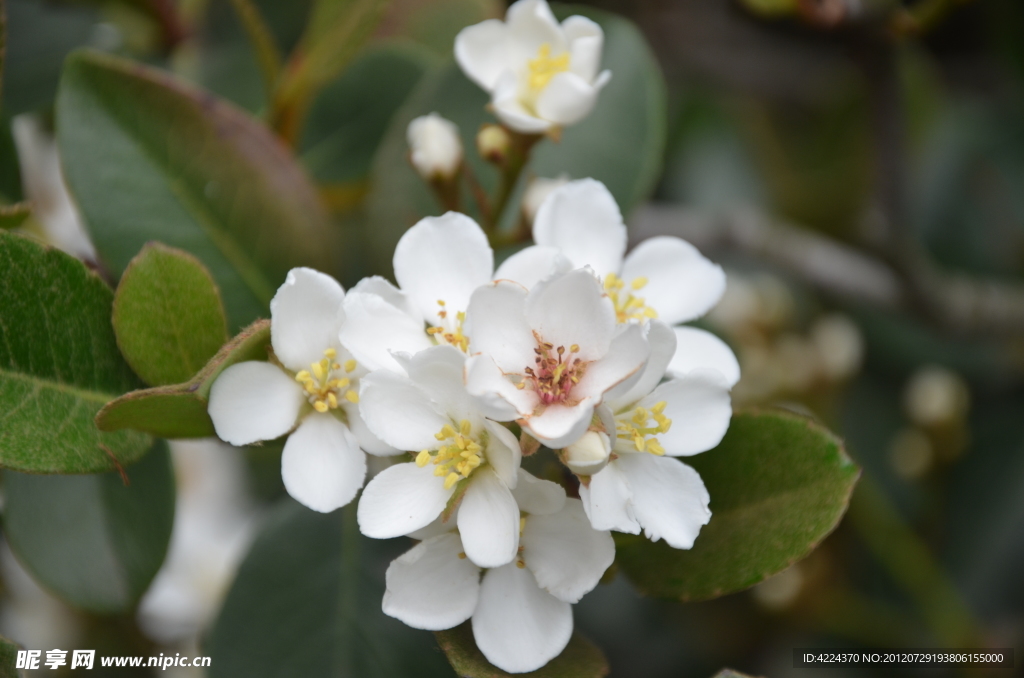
x=547 y=356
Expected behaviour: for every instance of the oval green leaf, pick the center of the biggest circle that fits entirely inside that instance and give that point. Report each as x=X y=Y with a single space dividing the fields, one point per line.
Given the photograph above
x=779 y=484
x=307 y=602
x=580 y=658
x=191 y=171
x=621 y=143
x=59 y=364
x=168 y=317
x=92 y=540
x=180 y=411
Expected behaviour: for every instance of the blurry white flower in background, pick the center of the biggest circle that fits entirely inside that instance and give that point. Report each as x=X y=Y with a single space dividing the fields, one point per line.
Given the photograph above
x=537 y=191
x=434 y=147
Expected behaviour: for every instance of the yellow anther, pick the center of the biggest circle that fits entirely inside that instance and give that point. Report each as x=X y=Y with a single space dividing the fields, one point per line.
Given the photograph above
x=350 y=365
x=320 y=406
x=351 y=396
x=520 y=564
x=440 y=302
x=522 y=524
x=335 y=366
x=545 y=67
x=302 y=376
x=341 y=383
x=659 y=407
x=462 y=556
x=318 y=371
x=575 y=348
x=637 y=428
x=638 y=283
x=440 y=470
x=627 y=306
x=450 y=481
x=332 y=400
x=465 y=427
x=423 y=458
x=331 y=353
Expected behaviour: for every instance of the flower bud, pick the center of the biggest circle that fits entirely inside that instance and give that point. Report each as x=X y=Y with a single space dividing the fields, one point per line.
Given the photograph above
x=493 y=141
x=589 y=454
x=435 y=147
x=536 y=192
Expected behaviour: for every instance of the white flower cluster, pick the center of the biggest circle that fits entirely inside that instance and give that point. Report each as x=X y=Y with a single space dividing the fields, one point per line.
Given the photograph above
x=569 y=343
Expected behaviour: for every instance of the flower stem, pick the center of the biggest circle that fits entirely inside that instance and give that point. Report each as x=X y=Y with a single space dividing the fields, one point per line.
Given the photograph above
x=348 y=594
x=516 y=160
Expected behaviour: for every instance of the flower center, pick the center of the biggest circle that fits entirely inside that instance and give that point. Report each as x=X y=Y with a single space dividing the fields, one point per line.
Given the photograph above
x=545 y=67
x=457 y=457
x=642 y=424
x=555 y=372
x=628 y=306
x=453 y=337
x=325 y=382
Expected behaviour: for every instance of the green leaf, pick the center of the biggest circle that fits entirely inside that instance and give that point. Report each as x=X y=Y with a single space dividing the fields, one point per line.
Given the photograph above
x=3 y=46
x=59 y=364
x=9 y=654
x=10 y=168
x=307 y=602
x=92 y=540
x=13 y=216
x=435 y=23
x=179 y=411
x=191 y=171
x=168 y=317
x=580 y=658
x=620 y=143
x=779 y=484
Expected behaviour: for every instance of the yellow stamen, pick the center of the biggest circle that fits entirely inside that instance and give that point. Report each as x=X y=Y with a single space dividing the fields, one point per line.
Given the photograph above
x=423 y=458
x=638 y=429
x=545 y=67
x=350 y=365
x=628 y=307
x=331 y=353
x=351 y=396
x=320 y=406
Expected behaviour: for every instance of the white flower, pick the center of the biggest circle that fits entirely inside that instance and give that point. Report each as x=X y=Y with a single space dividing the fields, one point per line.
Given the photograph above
x=547 y=356
x=438 y=264
x=313 y=383
x=460 y=457
x=642 y=487
x=663 y=277
x=540 y=75
x=434 y=146
x=521 y=612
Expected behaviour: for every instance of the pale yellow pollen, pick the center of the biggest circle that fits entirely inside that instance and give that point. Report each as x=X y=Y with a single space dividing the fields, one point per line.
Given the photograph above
x=351 y=396
x=423 y=458
x=350 y=365
x=640 y=432
x=331 y=353
x=320 y=406
x=628 y=306
x=458 y=455
x=545 y=67
x=322 y=388
x=455 y=338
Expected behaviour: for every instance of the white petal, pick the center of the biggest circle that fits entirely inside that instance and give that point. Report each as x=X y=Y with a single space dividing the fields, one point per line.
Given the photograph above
x=369 y=442
x=567 y=99
x=306 y=314
x=443 y=259
x=662 y=341
x=374 y=328
x=607 y=501
x=496 y=396
x=589 y=454
x=503 y=453
x=625 y=358
x=530 y=25
x=531 y=265
x=322 y=466
x=560 y=425
x=538 y=497
x=518 y=626
x=586 y=41
x=669 y=498
x=583 y=220
x=429 y=587
x=438 y=371
x=253 y=401
x=401 y=499
x=399 y=412
x=682 y=285
x=566 y=555
x=572 y=309
x=437 y=527
x=699 y=349
x=383 y=288
x=700 y=410
x=496 y=326
x=489 y=520
x=509 y=110
x=482 y=52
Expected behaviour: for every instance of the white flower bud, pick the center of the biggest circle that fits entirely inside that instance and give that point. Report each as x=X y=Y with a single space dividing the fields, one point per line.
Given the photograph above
x=934 y=396
x=537 y=191
x=435 y=147
x=589 y=454
x=493 y=143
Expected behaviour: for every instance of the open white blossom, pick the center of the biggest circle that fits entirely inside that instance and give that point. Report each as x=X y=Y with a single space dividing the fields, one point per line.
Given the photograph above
x=312 y=383
x=461 y=457
x=547 y=356
x=663 y=277
x=521 y=612
x=438 y=264
x=435 y=148
x=642 y=487
x=541 y=75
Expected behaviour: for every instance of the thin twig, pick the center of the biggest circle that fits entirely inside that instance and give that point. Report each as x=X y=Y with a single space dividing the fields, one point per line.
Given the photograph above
x=268 y=55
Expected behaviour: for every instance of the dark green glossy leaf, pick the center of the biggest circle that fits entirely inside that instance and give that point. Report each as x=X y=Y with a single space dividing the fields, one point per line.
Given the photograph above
x=435 y=23
x=307 y=602
x=190 y=171
x=179 y=411
x=779 y=484
x=621 y=143
x=168 y=317
x=92 y=540
x=59 y=364
x=9 y=657
x=580 y=658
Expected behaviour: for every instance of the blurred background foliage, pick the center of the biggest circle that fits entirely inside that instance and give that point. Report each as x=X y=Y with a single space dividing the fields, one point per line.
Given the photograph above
x=857 y=166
